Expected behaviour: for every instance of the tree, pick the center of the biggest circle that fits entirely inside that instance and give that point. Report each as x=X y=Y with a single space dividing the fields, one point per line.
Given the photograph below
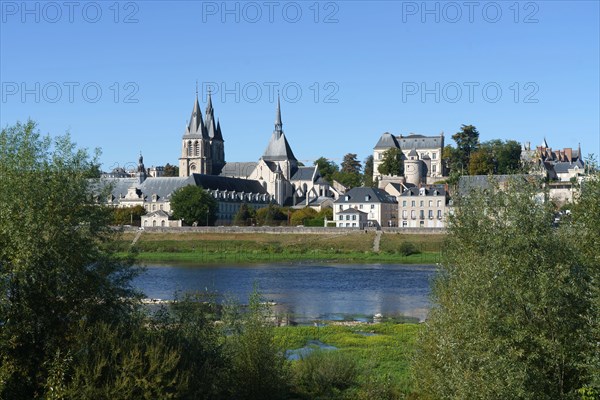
x=368 y=171
x=326 y=167
x=584 y=234
x=194 y=205
x=299 y=216
x=513 y=303
x=349 y=175
x=55 y=269
x=171 y=170
x=467 y=142
x=482 y=162
x=271 y=215
x=347 y=179
x=128 y=215
x=245 y=215
x=392 y=163
x=350 y=164
x=507 y=156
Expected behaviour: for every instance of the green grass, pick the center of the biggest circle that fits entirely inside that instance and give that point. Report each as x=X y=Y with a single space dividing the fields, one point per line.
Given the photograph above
x=262 y=247
x=386 y=354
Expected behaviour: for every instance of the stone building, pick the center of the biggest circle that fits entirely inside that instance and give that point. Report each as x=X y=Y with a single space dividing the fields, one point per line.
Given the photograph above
x=421 y=154
x=423 y=207
x=275 y=178
x=381 y=209
x=556 y=165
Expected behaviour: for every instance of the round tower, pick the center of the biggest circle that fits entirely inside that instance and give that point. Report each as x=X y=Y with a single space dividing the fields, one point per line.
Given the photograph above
x=412 y=168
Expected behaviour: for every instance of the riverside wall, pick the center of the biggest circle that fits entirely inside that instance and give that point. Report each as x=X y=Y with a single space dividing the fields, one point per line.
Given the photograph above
x=278 y=230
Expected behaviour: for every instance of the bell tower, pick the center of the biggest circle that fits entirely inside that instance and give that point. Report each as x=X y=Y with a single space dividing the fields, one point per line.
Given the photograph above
x=195 y=149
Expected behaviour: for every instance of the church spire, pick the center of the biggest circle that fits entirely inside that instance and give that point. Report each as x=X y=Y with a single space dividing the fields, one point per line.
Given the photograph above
x=196 y=125
x=278 y=124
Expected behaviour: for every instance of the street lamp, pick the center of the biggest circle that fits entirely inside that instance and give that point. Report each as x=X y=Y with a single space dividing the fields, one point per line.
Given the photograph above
x=207 y=217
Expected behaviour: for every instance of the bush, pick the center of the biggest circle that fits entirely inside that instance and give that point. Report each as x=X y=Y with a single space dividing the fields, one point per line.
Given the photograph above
x=408 y=248
x=324 y=374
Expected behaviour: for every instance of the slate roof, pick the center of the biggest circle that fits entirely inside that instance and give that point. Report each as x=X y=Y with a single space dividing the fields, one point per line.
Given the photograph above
x=468 y=183
x=351 y=210
x=386 y=141
x=414 y=141
x=164 y=187
x=359 y=195
x=278 y=148
x=159 y=213
x=430 y=191
x=304 y=174
x=564 y=167
x=238 y=169
x=215 y=182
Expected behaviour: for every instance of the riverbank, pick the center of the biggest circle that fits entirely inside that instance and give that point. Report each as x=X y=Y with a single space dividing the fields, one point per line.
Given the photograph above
x=253 y=247
x=382 y=352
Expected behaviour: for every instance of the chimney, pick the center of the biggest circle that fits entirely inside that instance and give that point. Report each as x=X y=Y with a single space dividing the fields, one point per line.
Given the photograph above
x=569 y=154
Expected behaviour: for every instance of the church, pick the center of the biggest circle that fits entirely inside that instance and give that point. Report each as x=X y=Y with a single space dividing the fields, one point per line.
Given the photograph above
x=277 y=176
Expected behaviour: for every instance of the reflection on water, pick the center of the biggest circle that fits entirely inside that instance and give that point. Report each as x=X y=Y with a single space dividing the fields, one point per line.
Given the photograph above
x=305 y=292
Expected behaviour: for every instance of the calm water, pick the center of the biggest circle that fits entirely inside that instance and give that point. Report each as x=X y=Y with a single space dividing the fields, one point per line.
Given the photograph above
x=306 y=292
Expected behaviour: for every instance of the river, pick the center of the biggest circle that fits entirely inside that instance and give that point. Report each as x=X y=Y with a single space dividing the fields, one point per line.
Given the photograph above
x=305 y=292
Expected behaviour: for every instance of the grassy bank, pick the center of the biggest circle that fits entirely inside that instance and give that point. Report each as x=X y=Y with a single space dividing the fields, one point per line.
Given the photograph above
x=207 y=248
x=382 y=351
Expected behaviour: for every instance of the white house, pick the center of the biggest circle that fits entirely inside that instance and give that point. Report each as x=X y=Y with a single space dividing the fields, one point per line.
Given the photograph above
x=380 y=207
x=351 y=218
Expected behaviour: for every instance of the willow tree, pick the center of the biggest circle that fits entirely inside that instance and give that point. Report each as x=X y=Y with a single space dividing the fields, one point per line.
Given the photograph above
x=513 y=306
x=55 y=271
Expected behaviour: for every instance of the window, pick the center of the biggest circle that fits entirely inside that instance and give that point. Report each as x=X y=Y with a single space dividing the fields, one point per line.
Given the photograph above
x=430 y=203
x=354 y=224
x=433 y=157
x=412 y=203
x=404 y=224
x=421 y=224
x=379 y=156
x=421 y=203
x=162 y=223
x=161 y=206
x=439 y=214
x=421 y=214
x=341 y=207
x=372 y=206
x=404 y=214
x=341 y=218
x=430 y=214
x=154 y=223
x=403 y=203
x=347 y=218
x=439 y=203
x=153 y=207
x=354 y=218
x=360 y=206
x=413 y=214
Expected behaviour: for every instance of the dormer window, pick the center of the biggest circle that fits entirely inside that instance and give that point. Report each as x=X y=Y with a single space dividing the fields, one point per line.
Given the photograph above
x=347 y=198
x=154 y=197
x=367 y=198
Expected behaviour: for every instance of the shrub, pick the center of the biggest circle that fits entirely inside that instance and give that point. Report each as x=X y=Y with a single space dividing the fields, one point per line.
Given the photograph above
x=324 y=374
x=408 y=248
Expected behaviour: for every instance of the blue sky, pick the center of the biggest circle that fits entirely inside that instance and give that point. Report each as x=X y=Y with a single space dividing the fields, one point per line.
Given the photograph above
x=347 y=72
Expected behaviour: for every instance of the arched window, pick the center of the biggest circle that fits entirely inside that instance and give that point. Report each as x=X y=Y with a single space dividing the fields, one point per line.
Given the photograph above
x=196 y=149
x=154 y=223
x=189 y=148
x=162 y=223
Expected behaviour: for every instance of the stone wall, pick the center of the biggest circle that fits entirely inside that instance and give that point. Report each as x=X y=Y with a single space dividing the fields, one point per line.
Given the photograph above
x=284 y=230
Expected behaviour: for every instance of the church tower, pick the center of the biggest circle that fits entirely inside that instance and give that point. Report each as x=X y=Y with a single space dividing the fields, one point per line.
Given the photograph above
x=196 y=157
x=217 y=148
x=279 y=151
